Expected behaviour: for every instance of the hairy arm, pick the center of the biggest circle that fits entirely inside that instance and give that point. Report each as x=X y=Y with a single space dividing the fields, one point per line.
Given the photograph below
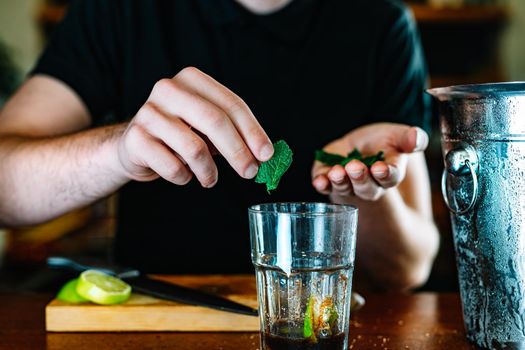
x=48 y=167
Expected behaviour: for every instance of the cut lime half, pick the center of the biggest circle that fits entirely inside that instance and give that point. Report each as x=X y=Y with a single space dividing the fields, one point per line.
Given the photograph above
x=68 y=293
x=101 y=288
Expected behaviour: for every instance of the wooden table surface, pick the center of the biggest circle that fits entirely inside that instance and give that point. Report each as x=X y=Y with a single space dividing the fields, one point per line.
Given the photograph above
x=420 y=321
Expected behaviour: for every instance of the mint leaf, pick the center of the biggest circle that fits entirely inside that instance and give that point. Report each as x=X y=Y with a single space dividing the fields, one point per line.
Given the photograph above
x=368 y=161
x=271 y=171
x=329 y=158
x=332 y=159
x=355 y=154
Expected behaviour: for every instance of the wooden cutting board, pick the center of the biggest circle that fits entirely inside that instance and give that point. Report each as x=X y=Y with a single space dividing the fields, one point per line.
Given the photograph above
x=143 y=313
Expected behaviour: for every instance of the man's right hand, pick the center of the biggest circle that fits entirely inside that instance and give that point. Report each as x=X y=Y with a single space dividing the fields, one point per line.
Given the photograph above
x=49 y=163
x=185 y=121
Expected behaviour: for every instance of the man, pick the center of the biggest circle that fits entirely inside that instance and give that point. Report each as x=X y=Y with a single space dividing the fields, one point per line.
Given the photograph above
x=171 y=84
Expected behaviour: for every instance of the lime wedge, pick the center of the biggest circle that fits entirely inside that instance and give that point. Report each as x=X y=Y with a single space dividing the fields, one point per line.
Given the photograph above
x=68 y=293
x=309 y=323
x=101 y=288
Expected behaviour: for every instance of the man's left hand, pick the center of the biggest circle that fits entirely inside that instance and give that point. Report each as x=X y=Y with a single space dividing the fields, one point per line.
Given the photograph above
x=397 y=141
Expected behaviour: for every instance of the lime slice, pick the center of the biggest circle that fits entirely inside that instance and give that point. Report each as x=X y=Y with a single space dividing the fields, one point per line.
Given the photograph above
x=309 y=323
x=68 y=293
x=101 y=288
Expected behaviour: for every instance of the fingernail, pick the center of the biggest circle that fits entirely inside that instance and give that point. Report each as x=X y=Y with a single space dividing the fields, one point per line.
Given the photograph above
x=380 y=172
x=380 y=175
x=421 y=140
x=211 y=184
x=338 y=180
x=266 y=152
x=319 y=183
x=356 y=174
x=251 y=171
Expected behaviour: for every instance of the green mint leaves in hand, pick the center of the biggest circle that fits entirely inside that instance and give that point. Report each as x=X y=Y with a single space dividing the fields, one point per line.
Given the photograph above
x=332 y=159
x=271 y=171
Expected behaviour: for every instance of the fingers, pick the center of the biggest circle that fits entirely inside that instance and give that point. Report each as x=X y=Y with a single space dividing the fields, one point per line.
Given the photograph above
x=190 y=116
x=166 y=164
x=237 y=110
x=413 y=139
x=362 y=181
x=319 y=179
x=176 y=134
x=397 y=141
x=199 y=113
x=335 y=181
x=353 y=179
x=340 y=182
x=386 y=175
x=322 y=184
x=155 y=159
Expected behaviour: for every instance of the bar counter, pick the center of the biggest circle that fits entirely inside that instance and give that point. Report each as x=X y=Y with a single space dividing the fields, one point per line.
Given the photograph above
x=387 y=321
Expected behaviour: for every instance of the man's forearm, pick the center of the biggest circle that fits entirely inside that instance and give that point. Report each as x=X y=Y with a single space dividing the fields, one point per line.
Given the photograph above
x=46 y=177
x=396 y=244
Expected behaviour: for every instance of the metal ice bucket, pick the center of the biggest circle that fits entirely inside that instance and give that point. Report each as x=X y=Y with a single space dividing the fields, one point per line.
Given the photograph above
x=483 y=184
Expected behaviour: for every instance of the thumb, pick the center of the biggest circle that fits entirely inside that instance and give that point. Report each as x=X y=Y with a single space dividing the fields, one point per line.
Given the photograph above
x=414 y=139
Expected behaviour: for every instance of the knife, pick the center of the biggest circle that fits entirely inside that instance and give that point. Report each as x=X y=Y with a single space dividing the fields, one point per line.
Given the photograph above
x=159 y=289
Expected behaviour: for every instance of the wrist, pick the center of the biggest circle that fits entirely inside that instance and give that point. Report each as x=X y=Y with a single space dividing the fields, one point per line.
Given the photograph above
x=127 y=164
x=111 y=153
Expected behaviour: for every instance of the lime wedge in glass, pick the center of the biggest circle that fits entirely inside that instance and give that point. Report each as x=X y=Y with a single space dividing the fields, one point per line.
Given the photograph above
x=101 y=288
x=309 y=321
x=68 y=293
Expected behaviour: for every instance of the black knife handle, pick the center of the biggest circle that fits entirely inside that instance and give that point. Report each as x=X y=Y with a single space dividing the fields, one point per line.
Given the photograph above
x=63 y=263
x=58 y=262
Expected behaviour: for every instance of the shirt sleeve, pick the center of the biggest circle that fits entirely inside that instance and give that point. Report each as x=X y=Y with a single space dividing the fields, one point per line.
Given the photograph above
x=83 y=53
x=401 y=74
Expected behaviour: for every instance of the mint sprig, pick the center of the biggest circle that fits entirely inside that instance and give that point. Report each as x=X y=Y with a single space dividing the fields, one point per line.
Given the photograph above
x=271 y=171
x=332 y=159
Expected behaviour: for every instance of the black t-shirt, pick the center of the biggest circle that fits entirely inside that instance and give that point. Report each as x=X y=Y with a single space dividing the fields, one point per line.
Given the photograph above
x=310 y=72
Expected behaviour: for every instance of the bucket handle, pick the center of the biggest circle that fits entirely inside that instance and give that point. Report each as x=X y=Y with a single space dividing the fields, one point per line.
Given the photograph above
x=461 y=161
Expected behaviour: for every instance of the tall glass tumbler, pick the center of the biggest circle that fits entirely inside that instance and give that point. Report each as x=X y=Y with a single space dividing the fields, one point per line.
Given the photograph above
x=304 y=259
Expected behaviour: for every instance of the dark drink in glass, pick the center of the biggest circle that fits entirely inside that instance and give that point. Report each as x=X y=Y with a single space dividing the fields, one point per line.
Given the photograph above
x=304 y=258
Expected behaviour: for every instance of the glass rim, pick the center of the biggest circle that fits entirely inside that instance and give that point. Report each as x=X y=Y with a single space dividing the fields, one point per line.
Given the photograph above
x=342 y=208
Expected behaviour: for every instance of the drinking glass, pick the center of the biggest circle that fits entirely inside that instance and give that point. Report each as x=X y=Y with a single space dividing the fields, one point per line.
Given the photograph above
x=303 y=255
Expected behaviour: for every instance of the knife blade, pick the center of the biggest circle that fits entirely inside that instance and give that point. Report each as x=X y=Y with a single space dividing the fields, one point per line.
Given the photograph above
x=159 y=289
